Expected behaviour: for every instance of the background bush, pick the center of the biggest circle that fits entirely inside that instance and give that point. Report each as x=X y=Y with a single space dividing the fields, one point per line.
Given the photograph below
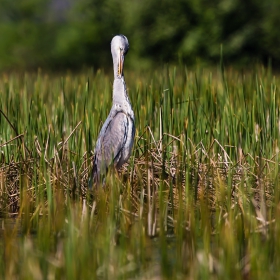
x=71 y=34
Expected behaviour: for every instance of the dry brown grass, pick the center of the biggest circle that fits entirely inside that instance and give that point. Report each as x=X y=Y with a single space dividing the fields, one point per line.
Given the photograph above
x=208 y=175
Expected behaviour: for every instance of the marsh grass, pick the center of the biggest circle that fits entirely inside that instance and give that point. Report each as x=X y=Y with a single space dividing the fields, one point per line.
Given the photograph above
x=199 y=198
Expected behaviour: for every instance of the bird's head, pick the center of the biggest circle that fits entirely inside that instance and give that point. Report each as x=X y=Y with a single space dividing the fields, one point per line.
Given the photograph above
x=119 y=48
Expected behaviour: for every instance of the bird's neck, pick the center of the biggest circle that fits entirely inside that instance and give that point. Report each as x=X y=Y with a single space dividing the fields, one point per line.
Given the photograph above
x=115 y=67
x=120 y=97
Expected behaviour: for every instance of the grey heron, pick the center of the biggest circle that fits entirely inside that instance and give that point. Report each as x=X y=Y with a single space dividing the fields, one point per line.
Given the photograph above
x=116 y=137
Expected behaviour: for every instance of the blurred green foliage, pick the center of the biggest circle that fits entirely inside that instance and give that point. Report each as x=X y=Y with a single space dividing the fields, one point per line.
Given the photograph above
x=57 y=34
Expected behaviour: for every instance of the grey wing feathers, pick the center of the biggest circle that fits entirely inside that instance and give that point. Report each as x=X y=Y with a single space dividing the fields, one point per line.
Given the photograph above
x=111 y=141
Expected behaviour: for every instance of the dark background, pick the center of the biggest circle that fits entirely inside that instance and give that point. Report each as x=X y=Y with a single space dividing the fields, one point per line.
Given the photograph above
x=68 y=34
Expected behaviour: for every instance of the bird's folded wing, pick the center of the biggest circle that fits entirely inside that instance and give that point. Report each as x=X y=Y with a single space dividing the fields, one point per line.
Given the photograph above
x=113 y=139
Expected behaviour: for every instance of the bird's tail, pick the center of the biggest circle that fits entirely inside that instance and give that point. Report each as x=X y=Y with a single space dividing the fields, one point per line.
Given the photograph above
x=94 y=176
x=90 y=182
x=98 y=175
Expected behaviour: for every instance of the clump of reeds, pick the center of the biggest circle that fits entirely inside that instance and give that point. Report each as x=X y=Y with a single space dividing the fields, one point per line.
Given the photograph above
x=199 y=197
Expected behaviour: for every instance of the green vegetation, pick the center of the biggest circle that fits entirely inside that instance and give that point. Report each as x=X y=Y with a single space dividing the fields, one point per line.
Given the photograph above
x=199 y=199
x=71 y=34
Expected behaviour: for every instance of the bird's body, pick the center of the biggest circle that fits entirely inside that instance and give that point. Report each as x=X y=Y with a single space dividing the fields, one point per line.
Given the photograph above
x=116 y=137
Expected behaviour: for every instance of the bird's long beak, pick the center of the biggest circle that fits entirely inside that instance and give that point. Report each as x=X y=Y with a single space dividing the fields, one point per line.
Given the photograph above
x=120 y=63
